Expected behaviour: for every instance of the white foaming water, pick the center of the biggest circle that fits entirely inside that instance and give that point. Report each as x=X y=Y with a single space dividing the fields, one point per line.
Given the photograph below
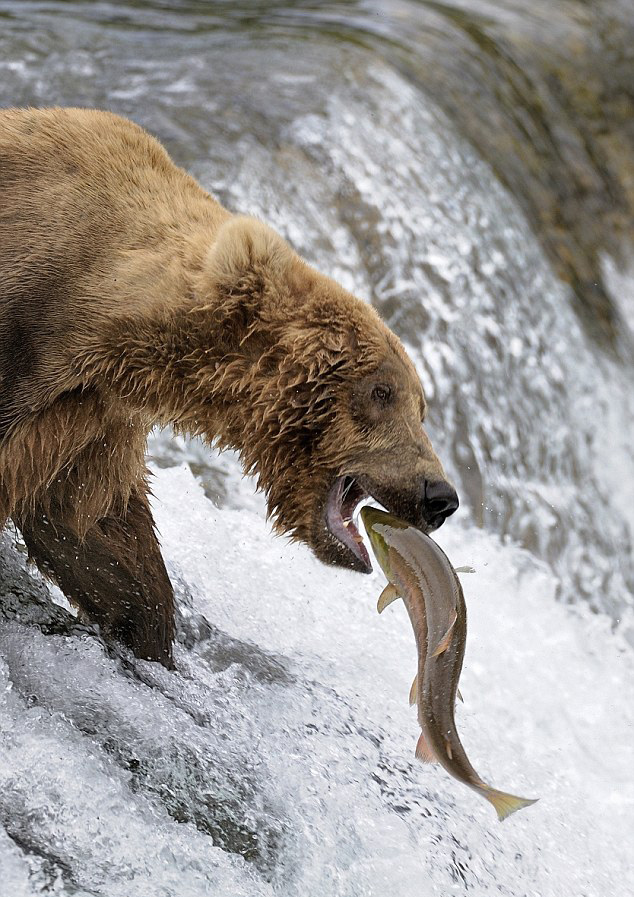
x=285 y=735
x=343 y=150
x=278 y=759
x=388 y=199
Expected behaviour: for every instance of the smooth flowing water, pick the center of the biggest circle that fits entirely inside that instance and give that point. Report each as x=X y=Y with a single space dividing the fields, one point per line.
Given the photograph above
x=465 y=167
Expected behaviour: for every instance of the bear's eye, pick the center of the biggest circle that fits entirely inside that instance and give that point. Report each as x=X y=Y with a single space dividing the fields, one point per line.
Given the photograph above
x=381 y=394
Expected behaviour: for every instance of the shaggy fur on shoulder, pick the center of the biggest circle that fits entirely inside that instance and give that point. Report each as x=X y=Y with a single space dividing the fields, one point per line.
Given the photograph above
x=129 y=297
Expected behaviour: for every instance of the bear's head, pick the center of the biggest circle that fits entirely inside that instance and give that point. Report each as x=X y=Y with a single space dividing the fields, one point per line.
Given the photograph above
x=318 y=396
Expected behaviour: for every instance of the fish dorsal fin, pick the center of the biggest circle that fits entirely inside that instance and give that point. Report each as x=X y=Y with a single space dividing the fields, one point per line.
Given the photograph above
x=424 y=752
x=387 y=596
x=446 y=639
x=413 y=692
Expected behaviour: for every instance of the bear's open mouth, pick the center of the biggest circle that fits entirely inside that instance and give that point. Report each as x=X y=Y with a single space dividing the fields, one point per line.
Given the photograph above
x=343 y=498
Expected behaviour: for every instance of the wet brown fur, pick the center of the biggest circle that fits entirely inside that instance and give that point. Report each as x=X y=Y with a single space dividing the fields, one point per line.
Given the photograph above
x=129 y=297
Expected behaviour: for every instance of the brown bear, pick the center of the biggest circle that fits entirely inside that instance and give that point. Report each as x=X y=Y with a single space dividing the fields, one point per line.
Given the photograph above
x=129 y=297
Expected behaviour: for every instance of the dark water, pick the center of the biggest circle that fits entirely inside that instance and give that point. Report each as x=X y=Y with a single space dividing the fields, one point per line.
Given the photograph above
x=467 y=167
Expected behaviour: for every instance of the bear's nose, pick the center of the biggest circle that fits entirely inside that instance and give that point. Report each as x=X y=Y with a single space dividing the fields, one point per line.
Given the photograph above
x=441 y=500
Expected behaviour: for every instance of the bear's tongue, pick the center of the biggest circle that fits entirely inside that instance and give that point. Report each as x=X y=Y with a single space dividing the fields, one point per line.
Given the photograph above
x=344 y=497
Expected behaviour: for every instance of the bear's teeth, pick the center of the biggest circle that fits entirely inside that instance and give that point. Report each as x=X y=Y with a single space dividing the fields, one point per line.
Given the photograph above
x=347 y=522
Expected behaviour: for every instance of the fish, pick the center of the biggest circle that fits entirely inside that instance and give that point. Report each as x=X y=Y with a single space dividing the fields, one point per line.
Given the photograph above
x=419 y=572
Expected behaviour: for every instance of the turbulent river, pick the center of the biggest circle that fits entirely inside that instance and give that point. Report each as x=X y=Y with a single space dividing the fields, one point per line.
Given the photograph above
x=466 y=167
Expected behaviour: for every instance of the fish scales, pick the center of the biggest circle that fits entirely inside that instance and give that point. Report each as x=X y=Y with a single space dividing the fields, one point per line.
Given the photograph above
x=420 y=572
x=435 y=578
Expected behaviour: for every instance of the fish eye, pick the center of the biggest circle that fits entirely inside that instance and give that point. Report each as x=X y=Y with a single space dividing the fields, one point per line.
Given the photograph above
x=381 y=394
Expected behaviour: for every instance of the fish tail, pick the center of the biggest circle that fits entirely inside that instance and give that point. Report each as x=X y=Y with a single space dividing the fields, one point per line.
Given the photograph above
x=504 y=803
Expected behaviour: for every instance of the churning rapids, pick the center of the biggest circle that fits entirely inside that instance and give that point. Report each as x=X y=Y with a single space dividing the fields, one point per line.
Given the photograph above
x=278 y=758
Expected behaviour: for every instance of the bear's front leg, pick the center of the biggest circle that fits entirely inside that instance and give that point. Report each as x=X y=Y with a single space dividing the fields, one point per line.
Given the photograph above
x=115 y=573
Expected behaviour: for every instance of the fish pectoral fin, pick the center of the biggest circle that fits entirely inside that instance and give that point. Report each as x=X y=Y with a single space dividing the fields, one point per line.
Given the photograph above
x=465 y=569
x=424 y=752
x=413 y=692
x=446 y=639
x=387 y=596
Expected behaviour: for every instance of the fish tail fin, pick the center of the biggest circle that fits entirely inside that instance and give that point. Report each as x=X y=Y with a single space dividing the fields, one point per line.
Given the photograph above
x=504 y=803
x=424 y=752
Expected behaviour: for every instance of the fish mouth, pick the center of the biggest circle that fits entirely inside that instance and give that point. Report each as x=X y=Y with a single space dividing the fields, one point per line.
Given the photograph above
x=343 y=498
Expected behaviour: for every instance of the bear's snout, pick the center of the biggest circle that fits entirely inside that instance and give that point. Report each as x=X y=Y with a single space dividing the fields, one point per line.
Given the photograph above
x=440 y=501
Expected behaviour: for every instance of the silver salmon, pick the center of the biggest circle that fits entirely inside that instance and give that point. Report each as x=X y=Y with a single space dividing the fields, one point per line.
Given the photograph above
x=421 y=574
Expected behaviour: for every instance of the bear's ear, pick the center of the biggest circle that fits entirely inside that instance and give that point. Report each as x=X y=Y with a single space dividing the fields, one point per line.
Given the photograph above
x=244 y=253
